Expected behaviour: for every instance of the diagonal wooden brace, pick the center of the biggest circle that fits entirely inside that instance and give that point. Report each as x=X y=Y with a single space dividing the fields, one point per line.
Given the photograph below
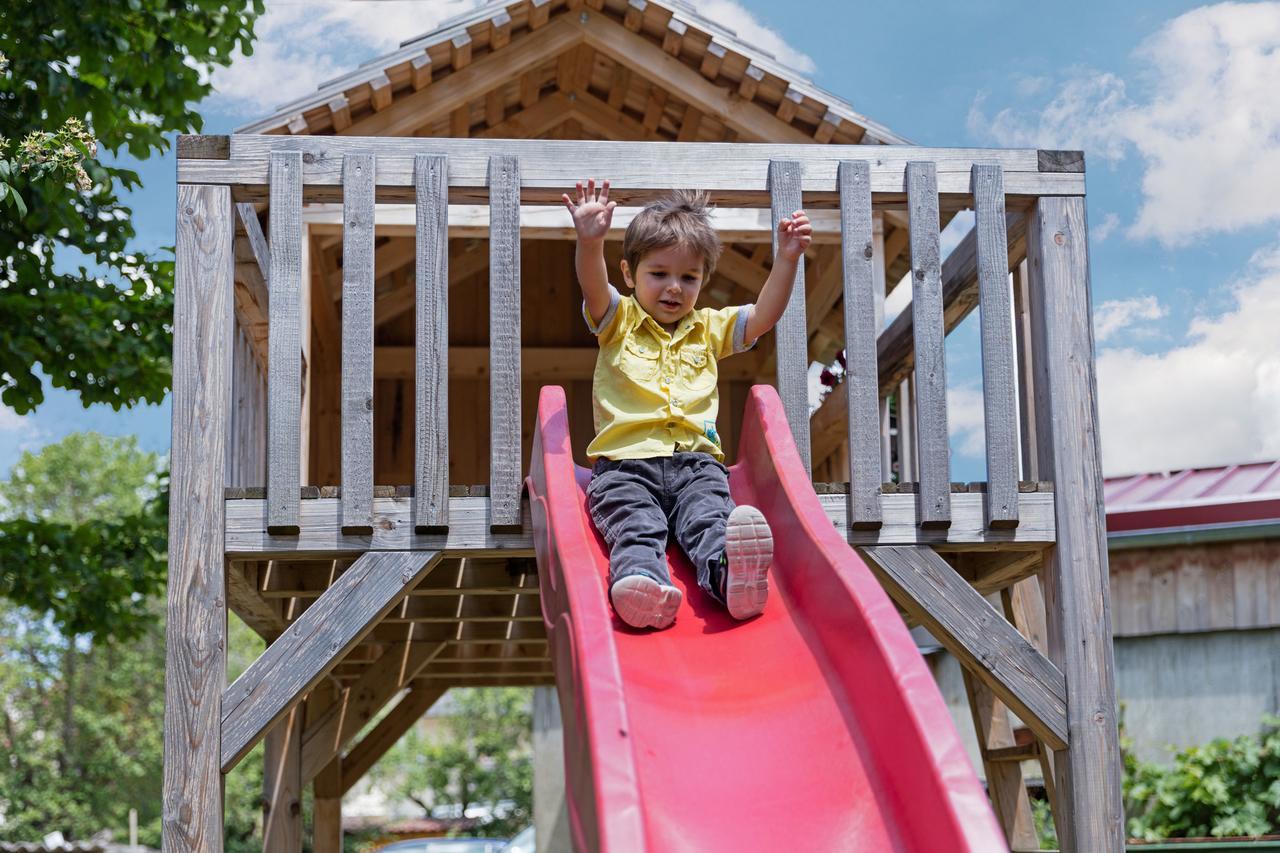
x=314 y=644
x=924 y=585
x=335 y=725
x=390 y=728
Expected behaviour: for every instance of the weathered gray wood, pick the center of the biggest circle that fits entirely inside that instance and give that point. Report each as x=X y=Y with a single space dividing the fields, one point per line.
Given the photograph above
x=203 y=146
x=357 y=343
x=284 y=348
x=468 y=534
x=326 y=812
x=906 y=433
x=933 y=440
x=282 y=785
x=1005 y=785
x=314 y=644
x=1027 y=440
x=431 y=360
x=341 y=721
x=1077 y=591
x=1060 y=161
x=642 y=171
x=791 y=334
x=384 y=735
x=860 y=330
x=195 y=654
x=505 y=469
x=996 y=313
x=985 y=643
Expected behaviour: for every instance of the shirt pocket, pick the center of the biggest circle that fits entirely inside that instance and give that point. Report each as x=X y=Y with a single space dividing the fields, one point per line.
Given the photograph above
x=639 y=360
x=697 y=371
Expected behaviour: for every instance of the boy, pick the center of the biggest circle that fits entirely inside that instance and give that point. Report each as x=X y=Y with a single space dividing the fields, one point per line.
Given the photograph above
x=658 y=466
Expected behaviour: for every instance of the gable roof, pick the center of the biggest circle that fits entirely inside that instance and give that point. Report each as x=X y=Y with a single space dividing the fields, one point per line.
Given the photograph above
x=711 y=48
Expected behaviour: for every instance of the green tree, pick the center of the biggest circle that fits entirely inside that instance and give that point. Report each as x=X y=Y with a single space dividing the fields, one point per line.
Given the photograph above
x=84 y=534
x=129 y=73
x=479 y=758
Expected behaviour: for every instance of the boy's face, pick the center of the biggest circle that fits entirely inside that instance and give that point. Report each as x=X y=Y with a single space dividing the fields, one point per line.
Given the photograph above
x=666 y=282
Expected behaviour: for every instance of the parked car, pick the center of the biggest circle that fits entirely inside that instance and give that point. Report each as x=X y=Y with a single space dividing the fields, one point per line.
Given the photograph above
x=523 y=842
x=446 y=845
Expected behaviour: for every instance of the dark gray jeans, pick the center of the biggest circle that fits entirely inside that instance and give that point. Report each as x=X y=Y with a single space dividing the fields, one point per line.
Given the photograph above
x=637 y=504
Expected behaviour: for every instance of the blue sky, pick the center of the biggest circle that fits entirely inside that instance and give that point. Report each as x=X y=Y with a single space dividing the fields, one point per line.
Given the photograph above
x=1173 y=104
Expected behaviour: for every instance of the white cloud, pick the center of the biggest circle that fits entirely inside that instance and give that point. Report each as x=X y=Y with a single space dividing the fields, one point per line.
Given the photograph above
x=1103 y=229
x=965 y=420
x=300 y=45
x=1214 y=400
x=1116 y=315
x=735 y=17
x=1207 y=127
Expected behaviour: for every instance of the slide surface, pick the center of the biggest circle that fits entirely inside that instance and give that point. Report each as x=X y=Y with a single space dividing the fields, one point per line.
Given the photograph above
x=813 y=727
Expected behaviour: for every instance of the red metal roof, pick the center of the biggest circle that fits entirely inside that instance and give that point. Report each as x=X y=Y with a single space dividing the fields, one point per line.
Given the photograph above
x=1225 y=495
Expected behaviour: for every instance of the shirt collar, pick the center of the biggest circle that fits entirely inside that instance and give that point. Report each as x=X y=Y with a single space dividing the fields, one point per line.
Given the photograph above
x=683 y=328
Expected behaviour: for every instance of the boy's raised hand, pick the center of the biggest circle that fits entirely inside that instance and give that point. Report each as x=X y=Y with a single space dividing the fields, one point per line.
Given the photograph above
x=593 y=212
x=795 y=233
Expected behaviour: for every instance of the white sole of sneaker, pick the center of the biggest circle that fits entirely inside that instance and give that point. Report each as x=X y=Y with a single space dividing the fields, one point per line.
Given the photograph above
x=749 y=553
x=642 y=602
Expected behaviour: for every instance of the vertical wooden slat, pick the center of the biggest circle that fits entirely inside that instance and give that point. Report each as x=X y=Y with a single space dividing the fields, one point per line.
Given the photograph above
x=504 y=342
x=1077 y=593
x=1026 y=375
x=431 y=445
x=1000 y=416
x=792 y=337
x=284 y=352
x=1005 y=785
x=195 y=649
x=282 y=785
x=326 y=832
x=906 y=433
x=357 y=343
x=878 y=291
x=927 y=335
x=862 y=377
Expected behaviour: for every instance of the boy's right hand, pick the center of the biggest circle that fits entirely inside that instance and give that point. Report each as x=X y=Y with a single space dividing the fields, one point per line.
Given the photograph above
x=593 y=212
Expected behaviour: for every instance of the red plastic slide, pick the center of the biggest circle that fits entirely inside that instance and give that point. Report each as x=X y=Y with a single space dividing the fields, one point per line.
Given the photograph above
x=814 y=727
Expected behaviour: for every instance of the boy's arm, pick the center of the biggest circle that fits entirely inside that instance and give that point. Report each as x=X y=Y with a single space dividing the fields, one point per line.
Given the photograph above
x=794 y=237
x=592 y=216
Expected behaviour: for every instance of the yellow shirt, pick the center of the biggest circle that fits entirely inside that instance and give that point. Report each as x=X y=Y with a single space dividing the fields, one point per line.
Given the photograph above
x=654 y=392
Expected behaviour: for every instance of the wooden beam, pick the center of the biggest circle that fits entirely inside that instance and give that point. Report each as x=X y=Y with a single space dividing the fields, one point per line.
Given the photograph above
x=314 y=644
x=252 y=297
x=1005 y=785
x=243 y=598
x=982 y=640
x=384 y=735
x=1079 y=613
x=645 y=170
x=326 y=834
x=532 y=121
x=471 y=81
x=651 y=61
x=282 y=786
x=337 y=724
x=195 y=645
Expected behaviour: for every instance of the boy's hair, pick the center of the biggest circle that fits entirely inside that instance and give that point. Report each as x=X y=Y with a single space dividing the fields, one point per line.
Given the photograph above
x=681 y=219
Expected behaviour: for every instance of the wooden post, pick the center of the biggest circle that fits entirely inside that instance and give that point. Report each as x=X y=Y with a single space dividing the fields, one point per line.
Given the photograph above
x=326 y=821
x=195 y=656
x=357 y=343
x=504 y=343
x=792 y=332
x=282 y=785
x=1077 y=590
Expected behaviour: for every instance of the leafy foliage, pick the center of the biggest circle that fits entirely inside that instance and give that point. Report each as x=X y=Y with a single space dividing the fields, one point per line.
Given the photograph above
x=1224 y=788
x=131 y=73
x=85 y=539
x=480 y=760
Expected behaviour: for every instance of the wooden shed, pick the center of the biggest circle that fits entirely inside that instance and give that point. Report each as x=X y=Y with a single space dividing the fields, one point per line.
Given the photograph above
x=397 y=244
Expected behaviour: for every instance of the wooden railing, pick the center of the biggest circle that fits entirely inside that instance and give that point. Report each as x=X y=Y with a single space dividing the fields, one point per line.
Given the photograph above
x=1001 y=186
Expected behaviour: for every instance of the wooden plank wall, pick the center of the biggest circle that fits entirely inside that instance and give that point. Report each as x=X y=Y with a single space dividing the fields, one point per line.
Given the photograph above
x=551 y=311
x=247 y=443
x=1221 y=586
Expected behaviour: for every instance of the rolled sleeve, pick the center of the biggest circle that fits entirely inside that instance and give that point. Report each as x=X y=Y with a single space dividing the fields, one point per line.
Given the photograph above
x=610 y=312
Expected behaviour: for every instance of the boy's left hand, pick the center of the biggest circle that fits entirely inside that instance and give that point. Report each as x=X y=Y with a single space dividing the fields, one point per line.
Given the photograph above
x=794 y=235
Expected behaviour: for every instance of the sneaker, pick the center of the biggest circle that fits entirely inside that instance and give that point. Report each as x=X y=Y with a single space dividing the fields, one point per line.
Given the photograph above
x=642 y=602
x=748 y=549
